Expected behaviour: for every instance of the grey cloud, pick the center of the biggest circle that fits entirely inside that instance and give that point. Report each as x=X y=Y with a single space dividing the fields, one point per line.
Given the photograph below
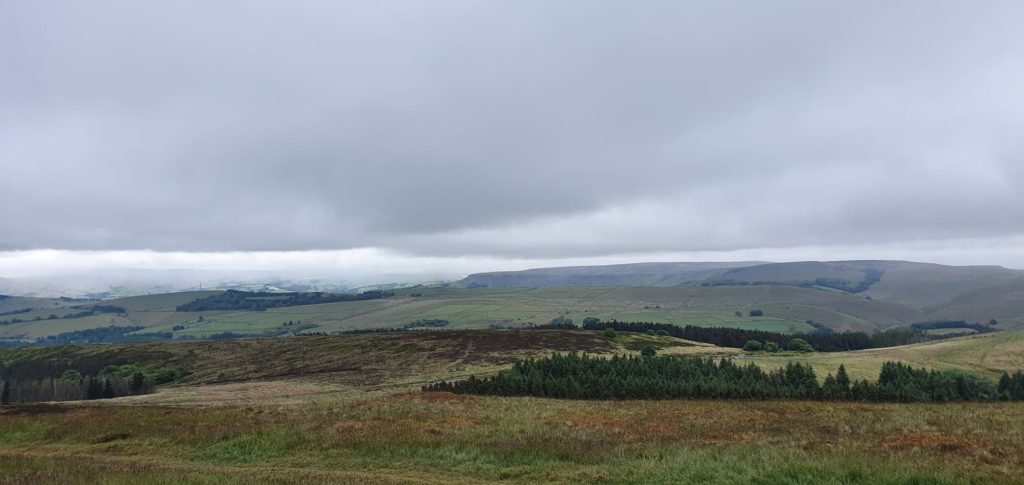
x=535 y=129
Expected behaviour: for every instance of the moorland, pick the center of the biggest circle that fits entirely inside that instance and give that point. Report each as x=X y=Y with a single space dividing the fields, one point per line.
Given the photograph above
x=290 y=388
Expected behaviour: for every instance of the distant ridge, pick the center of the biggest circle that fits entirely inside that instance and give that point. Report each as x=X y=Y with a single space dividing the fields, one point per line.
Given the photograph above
x=925 y=286
x=634 y=274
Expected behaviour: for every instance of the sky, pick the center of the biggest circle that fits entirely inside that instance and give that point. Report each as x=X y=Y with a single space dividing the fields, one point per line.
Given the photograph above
x=438 y=138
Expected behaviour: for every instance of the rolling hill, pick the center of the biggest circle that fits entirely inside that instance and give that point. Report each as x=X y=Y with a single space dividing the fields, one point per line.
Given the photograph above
x=637 y=274
x=785 y=308
x=922 y=291
x=794 y=297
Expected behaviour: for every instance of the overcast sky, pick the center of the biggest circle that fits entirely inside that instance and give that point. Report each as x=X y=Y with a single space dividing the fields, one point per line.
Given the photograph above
x=478 y=135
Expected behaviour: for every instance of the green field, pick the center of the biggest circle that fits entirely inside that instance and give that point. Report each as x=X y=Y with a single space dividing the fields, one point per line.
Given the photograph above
x=986 y=355
x=786 y=310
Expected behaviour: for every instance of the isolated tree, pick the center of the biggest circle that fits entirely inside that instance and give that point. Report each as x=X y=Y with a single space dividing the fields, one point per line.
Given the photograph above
x=649 y=351
x=753 y=346
x=5 y=394
x=771 y=347
x=993 y=322
x=757 y=313
x=610 y=333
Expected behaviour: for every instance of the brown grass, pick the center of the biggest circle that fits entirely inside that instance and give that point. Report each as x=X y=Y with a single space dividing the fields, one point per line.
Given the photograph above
x=434 y=437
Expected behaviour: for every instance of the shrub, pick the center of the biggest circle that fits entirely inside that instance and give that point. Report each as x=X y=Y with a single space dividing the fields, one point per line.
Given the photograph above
x=757 y=313
x=800 y=345
x=649 y=351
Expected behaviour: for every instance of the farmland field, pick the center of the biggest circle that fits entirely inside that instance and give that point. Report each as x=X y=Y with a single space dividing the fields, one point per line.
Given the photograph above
x=786 y=309
x=987 y=355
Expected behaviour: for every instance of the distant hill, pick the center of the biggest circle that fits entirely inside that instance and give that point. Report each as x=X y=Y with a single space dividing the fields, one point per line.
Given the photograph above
x=932 y=291
x=788 y=297
x=616 y=275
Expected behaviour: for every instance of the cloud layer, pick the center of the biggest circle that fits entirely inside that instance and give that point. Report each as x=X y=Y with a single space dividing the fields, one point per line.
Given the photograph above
x=523 y=130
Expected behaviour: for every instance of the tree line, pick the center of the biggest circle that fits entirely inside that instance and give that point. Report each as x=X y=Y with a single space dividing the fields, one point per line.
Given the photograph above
x=575 y=376
x=259 y=301
x=738 y=337
x=87 y=378
x=73 y=388
x=87 y=312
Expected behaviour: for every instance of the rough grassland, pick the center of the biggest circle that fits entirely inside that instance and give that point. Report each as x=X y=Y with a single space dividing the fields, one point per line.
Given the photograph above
x=344 y=410
x=441 y=438
x=277 y=370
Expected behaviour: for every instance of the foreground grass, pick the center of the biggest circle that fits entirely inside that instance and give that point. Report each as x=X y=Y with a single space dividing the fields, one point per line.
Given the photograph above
x=430 y=438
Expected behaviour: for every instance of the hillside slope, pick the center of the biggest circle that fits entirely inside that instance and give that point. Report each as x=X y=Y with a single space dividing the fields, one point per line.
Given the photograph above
x=786 y=309
x=637 y=274
x=842 y=295
x=986 y=355
x=932 y=291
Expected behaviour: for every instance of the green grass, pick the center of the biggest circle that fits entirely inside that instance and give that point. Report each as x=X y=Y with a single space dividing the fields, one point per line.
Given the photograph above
x=516 y=307
x=786 y=310
x=251 y=447
x=985 y=355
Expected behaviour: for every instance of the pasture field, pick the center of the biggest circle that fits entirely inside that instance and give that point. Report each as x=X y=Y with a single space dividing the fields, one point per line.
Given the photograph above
x=986 y=355
x=786 y=309
x=481 y=308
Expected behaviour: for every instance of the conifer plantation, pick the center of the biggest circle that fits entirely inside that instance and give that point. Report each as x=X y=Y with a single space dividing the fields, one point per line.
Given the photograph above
x=576 y=376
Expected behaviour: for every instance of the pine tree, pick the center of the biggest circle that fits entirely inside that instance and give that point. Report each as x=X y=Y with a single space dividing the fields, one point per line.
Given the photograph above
x=5 y=395
x=1004 y=385
x=138 y=382
x=843 y=381
x=829 y=389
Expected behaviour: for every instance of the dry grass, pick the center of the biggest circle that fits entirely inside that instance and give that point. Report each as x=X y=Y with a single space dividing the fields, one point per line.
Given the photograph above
x=431 y=438
x=340 y=410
